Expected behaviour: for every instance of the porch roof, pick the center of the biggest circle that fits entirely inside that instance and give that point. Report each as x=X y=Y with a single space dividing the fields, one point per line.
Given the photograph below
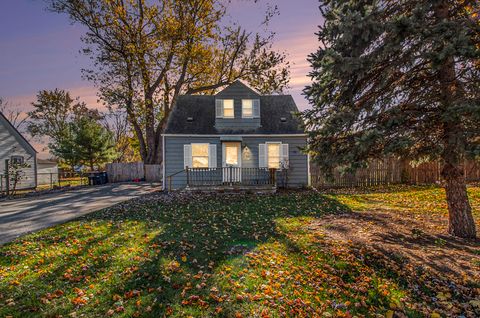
x=231 y=138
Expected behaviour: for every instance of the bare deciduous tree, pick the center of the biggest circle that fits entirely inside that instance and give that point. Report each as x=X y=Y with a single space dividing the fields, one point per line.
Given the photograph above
x=146 y=53
x=126 y=146
x=14 y=114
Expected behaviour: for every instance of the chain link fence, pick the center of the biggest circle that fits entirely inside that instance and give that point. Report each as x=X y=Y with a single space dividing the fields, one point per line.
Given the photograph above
x=45 y=181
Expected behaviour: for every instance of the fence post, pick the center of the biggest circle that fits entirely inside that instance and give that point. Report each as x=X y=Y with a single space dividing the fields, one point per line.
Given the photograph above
x=7 y=178
x=188 y=176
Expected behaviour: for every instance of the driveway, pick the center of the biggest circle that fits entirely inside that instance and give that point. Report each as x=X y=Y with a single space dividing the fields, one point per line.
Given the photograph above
x=19 y=217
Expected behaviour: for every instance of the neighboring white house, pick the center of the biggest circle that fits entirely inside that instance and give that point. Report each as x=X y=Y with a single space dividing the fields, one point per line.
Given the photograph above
x=47 y=172
x=15 y=148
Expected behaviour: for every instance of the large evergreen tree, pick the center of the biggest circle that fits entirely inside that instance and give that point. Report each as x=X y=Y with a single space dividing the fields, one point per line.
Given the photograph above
x=399 y=77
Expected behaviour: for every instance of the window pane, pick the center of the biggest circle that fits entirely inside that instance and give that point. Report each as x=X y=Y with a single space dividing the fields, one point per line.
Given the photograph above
x=231 y=155
x=273 y=155
x=200 y=150
x=247 y=107
x=17 y=160
x=200 y=162
x=228 y=108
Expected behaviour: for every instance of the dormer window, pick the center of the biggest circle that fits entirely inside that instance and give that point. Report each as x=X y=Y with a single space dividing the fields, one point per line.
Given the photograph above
x=224 y=108
x=250 y=108
x=247 y=108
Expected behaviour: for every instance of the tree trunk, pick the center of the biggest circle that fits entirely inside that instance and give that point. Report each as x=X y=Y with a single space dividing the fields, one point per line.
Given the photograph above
x=460 y=217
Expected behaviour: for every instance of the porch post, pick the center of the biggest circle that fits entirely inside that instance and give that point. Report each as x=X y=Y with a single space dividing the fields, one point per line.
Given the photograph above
x=273 y=176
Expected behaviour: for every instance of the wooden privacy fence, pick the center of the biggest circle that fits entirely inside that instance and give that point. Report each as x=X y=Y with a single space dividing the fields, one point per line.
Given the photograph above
x=390 y=171
x=130 y=171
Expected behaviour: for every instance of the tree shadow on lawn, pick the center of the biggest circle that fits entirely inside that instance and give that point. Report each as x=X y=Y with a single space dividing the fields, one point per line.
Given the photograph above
x=139 y=257
x=438 y=269
x=381 y=189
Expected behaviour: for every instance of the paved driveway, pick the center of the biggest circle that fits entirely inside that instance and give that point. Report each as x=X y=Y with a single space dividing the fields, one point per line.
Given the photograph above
x=18 y=217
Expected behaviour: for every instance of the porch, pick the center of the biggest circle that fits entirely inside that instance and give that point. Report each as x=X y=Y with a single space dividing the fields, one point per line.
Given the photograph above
x=228 y=179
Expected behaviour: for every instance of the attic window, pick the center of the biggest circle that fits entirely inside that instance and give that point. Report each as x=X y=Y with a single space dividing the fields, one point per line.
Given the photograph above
x=17 y=160
x=190 y=119
x=224 y=108
x=283 y=119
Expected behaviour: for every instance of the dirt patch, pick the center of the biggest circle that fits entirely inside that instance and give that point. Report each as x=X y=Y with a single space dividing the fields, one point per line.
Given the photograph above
x=440 y=270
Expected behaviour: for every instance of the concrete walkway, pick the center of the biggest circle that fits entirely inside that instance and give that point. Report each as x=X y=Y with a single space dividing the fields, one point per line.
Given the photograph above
x=21 y=216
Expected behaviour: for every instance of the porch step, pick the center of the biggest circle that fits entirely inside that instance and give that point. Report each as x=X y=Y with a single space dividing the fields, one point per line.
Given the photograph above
x=233 y=188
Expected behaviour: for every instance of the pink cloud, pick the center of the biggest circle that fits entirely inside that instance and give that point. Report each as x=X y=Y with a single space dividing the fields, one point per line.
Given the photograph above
x=86 y=94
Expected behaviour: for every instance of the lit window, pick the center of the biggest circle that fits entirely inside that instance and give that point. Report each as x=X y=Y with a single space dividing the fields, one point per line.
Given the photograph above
x=228 y=111
x=231 y=153
x=200 y=155
x=247 y=108
x=273 y=155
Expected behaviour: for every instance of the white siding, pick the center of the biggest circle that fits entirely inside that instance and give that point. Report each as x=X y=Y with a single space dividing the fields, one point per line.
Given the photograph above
x=11 y=146
x=47 y=174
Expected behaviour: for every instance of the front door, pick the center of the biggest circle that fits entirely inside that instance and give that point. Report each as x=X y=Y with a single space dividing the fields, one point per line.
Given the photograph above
x=232 y=162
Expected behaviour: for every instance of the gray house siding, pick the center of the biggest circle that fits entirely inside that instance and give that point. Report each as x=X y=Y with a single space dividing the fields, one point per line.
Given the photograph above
x=298 y=161
x=12 y=144
x=174 y=157
x=237 y=92
x=237 y=123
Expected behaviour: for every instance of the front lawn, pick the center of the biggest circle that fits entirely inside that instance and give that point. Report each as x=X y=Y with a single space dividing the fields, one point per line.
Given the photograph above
x=221 y=255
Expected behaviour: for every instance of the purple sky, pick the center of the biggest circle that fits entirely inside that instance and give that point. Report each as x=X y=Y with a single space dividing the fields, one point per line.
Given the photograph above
x=40 y=49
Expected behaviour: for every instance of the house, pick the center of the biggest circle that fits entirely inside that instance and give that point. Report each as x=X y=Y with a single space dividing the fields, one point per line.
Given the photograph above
x=47 y=172
x=237 y=138
x=17 y=150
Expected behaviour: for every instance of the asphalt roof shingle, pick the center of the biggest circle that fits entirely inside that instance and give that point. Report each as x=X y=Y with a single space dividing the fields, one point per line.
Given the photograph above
x=202 y=109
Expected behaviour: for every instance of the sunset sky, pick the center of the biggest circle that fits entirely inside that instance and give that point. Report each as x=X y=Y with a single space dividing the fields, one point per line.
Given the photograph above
x=40 y=49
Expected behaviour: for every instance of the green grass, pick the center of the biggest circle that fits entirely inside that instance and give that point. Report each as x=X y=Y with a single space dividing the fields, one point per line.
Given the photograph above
x=416 y=199
x=226 y=256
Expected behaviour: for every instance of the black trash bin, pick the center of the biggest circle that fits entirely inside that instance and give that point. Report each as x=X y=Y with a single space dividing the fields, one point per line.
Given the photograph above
x=94 y=178
x=103 y=177
x=91 y=179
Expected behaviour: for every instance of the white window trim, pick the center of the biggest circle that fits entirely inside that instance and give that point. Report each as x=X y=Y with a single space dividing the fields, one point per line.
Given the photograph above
x=208 y=153
x=279 y=153
x=243 y=114
x=15 y=157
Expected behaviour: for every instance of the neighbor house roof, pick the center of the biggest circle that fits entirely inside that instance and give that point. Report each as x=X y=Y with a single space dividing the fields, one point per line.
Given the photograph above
x=195 y=114
x=46 y=162
x=24 y=142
